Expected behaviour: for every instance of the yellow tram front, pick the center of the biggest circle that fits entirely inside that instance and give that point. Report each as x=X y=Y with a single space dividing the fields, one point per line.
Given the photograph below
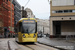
x=27 y=30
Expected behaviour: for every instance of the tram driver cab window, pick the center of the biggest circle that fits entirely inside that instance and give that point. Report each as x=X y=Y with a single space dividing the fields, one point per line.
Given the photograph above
x=20 y=27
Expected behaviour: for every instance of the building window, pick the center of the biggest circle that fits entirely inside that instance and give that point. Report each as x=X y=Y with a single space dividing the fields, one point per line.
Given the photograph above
x=65 y=11
x=60 y=11
x=53 y=12
x=56 y=11
x=14 y=4
x=7 y=0
x=70 y=11
x=73 y=10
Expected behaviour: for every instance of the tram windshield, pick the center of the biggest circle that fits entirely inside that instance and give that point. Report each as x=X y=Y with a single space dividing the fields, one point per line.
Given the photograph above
x=28 y=27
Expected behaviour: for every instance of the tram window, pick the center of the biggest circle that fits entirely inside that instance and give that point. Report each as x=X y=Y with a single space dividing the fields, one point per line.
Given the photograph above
x=20 y=27
x=17 y=28
x=16 y=33
x=36 y=27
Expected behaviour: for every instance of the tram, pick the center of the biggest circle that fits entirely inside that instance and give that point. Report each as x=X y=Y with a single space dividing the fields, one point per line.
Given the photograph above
x=26 y=30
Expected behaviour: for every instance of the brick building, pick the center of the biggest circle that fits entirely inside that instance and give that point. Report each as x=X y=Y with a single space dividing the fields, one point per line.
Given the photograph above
x=5 y=15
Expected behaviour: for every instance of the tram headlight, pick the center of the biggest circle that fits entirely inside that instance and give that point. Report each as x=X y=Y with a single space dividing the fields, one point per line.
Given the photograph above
x=34 y=36
x=24 y=36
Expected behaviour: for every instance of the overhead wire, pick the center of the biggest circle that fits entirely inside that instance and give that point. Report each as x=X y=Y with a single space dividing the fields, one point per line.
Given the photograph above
x=27 y=3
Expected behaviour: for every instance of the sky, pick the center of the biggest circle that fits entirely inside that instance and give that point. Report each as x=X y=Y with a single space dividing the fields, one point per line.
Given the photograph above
x=40 y=8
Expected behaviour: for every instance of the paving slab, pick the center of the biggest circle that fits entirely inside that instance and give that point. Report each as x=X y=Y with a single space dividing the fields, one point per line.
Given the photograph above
x=13 y=46
x=3 y=45
x=57 y=43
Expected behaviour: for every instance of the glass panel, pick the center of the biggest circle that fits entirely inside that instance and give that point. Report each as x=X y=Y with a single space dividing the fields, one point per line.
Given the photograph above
x=56 y=11
x=65 y=11
x=73 y=10
x=60 y=11
x=53 y=12
x=28 y=27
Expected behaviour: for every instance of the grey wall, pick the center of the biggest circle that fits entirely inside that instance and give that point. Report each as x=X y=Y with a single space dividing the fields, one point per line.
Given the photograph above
x=17 y=11
x=62 y=2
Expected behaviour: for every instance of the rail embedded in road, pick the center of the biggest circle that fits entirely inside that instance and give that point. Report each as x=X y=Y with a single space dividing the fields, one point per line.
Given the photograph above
x=38 y=46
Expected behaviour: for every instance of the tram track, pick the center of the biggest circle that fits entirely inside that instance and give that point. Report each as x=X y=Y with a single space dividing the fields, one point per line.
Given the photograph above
x=29 y=47
x=44 y=46
x=36 y=49
x=37 y=46
x=10 y=46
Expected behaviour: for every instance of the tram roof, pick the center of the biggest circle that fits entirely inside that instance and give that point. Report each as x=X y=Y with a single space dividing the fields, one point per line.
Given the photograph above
x=27 y=19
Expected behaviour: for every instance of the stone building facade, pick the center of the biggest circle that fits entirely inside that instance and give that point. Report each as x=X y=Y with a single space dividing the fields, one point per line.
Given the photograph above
x=43 y=25
x=29 y=13
x=62 y=19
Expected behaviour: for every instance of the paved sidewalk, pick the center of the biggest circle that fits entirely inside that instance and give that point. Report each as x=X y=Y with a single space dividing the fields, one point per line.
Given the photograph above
x=71 y=41
x=57 y=43
x=3 y=45
x=62 y=39
x=6 y=44
x=13 y=46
